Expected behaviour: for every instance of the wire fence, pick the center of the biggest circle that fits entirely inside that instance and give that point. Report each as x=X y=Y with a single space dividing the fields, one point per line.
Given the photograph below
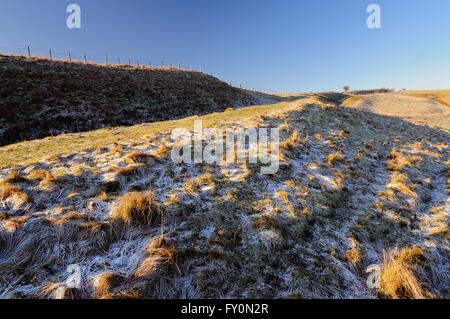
x=102 y=59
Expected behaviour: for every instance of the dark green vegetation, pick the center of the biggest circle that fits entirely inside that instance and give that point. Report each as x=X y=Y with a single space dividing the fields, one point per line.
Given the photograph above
x=39 y=97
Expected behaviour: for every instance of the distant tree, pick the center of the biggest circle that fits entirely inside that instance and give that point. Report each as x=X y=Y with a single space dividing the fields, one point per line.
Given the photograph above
x=346 y=88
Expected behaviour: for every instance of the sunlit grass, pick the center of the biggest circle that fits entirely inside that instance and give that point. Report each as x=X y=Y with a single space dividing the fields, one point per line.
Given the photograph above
x=33 y=151
x=442 y=96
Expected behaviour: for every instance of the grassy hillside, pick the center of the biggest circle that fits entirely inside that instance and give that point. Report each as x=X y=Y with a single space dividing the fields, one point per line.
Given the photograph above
x=39 y=97
x=33 y=151
x=354 y=189
x=442 y=96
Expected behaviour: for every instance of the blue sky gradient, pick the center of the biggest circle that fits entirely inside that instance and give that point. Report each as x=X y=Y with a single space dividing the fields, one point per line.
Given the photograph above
x=275 y=46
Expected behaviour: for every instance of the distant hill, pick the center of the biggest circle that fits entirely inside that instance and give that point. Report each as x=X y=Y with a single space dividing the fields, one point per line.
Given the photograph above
x=39 y=97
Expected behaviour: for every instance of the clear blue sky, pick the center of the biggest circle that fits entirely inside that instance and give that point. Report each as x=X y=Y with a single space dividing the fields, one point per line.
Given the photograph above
x=277 y=46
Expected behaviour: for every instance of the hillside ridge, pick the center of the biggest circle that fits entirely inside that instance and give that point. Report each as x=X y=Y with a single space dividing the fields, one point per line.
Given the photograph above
x=40 y=97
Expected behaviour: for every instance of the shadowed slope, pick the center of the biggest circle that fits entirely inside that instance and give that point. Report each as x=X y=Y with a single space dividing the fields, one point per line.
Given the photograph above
x=39 y=97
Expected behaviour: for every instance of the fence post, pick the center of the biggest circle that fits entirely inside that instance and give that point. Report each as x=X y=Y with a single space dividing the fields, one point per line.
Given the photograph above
x=51 y=57
x=29 y=53
x=85 y=59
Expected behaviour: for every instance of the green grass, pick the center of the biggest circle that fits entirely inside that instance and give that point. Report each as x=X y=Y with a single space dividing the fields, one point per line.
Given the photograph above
x=30 y=152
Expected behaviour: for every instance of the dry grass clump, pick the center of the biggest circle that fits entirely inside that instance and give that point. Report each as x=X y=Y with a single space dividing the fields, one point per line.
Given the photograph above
x=397 y=279
x=334 y=158
x=136 y=157
x=352 y=255
x=291 y=141
x=42 y=174
x=14 y=223
x=398 y=183
x=125 y=171
x=10 y=191
x=67 y=217
x=397 y=161
x=60 y=291
x=4 y=216
x=283 y=196
x=107 y=283
x=117 y=149
x=193 y=185
x=441 y=229
x=47 y=179
x=14 y=177
x=161 y=259
x=164 y=259
x=266 y=221
x=139 y=208
x=162 y=150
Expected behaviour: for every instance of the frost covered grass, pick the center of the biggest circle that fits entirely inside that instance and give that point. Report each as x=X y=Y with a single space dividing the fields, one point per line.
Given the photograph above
x=352 y=187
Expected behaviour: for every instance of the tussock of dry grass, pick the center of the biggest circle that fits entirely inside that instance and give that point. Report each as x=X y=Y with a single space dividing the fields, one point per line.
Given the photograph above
x=162 y=151
x=60 y=291
x=138 y=208
x=283 y=196
x=42 y=175
x=353 y=255
x=106 y=283
x=193 y=185
x=399 y=183
x=137 y=158
x=124 y=171
x=67 y=217
x=291 y=141
x=14 y=177
x=397 y=279
x=117 y=149
x=10 y=191
x=161 y=259
x=397 y=160
x=334 y=158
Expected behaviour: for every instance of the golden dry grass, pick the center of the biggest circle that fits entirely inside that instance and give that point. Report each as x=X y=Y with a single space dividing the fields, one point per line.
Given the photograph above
x=42 y=175
x=291 y=141
x=334 y=158
x=162 y=151
x=27 y=153
x=397 y=160
x=136 y=158
x=138 y=208
x=397 y=279
x=8 y=191
x=441 y=96
x=399 y=183
x=193 y=185
x=353 y=255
